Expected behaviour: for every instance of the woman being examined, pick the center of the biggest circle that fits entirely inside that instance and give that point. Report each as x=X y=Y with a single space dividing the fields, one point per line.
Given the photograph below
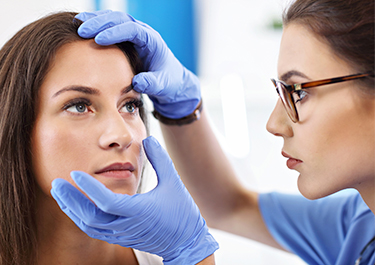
x=67 y=104
x=325 y=115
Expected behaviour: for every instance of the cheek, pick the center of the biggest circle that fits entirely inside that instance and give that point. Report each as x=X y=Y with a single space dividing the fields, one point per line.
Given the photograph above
x=337 y=146
x=56 y=151
x=59 y=148
x=139 y=134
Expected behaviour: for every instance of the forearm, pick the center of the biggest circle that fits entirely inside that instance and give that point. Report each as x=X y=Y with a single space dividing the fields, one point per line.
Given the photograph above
x=203 y=167
x=210 y=260
x=211 y=180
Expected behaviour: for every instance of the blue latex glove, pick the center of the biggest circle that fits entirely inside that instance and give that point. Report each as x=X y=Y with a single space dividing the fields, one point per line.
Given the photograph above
x=165 y=221
x=174 y=90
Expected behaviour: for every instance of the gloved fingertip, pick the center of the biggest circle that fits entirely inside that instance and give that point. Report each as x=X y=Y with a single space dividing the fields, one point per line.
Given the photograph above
x=159 y=159
x=83 y=16
x=142 y=83
x=54 y=183
x=82 y=32
x=57 y=183
x=58 y=200
x=102 y=39
x=77 y=176
x=149 y=141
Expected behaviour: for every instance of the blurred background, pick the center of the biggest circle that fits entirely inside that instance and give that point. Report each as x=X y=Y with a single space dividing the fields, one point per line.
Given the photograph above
x=232 y=45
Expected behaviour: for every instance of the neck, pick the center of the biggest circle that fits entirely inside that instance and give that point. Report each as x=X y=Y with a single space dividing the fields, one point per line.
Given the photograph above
x=367 y=192
x=60 y=241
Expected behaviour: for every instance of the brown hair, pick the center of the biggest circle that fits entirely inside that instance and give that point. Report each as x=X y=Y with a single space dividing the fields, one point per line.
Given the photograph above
x=24 y=63
x=346 y=26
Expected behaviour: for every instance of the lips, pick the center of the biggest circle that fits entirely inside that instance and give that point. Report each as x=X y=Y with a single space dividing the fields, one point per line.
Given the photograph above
x=117 y=170
x=291 y=163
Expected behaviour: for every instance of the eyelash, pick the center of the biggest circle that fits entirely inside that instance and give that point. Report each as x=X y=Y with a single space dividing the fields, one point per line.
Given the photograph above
x=298 y=93
x=137 y=103
x=77 y=101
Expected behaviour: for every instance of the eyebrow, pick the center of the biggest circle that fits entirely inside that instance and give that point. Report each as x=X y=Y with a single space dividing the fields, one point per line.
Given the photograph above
x=127 y=89
x=88 y=90
x=286 y=76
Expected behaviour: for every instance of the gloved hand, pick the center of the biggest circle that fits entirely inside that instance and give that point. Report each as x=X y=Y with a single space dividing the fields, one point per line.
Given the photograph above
x=165 y=221
x=174 y=90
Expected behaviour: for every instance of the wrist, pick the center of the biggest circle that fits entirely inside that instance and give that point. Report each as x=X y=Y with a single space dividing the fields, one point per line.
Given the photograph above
x=197 y=251
x=195 y=115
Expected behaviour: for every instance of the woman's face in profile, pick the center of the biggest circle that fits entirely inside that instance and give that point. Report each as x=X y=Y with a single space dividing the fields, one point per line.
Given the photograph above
x=88 y=119
x=334 y=139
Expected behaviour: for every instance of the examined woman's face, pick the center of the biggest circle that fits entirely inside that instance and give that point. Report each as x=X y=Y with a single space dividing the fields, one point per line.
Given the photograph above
x=334 y=142
x=88 y=119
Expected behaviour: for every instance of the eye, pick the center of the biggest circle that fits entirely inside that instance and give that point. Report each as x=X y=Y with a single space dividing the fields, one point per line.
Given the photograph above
x=132 y=106
x=81 y=108
x=77 y=106
x=299 y=95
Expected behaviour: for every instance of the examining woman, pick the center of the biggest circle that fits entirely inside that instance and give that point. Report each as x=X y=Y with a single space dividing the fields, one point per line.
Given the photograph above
x=67 y=104
x=325 y=115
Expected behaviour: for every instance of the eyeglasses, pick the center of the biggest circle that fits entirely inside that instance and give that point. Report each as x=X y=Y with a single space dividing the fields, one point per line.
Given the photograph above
x=286 y=91
x=371 y=246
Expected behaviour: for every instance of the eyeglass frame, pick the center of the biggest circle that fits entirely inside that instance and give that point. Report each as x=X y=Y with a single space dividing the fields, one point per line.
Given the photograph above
x=290 y=89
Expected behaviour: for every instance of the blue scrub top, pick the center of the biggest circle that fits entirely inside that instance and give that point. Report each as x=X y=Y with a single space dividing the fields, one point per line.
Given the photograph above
x=331 y=230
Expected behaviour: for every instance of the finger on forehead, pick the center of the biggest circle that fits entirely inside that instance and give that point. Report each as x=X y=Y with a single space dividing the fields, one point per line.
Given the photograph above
x=83 y=16
x=130 y=31
x=98 y=23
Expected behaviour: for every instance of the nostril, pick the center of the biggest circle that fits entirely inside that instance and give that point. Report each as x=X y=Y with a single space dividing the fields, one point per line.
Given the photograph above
x=113 y=145
x=115 y=137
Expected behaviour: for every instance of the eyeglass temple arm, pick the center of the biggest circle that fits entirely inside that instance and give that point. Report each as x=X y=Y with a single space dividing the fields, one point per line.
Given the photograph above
x=329 y=81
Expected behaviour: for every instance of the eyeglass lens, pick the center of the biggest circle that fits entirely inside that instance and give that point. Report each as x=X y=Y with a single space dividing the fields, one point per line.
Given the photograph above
x=287 y=100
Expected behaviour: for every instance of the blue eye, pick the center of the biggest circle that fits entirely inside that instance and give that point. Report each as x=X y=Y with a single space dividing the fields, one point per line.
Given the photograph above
x=299 y=95
x=132 y=106
x=77 y=106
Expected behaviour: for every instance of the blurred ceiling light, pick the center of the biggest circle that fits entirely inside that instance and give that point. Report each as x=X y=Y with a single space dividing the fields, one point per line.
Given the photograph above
x=234 y=115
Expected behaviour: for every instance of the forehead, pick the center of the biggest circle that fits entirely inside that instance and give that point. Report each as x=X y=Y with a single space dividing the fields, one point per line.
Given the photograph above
x=88 y=64
x=301 y=50
x=88 y=56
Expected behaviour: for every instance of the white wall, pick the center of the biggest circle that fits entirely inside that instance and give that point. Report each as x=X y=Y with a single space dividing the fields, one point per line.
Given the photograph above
x=236 y=46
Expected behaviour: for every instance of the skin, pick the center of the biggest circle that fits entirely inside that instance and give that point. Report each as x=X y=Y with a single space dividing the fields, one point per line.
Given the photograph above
x=335 y=137
x=106 y=132
x=335 y=140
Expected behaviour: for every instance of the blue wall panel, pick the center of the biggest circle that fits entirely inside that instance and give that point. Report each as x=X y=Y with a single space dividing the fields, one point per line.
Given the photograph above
x=175 y=21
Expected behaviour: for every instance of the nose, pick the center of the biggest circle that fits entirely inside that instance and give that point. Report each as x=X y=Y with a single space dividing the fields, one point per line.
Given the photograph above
x=279 y=123
x=116 y=133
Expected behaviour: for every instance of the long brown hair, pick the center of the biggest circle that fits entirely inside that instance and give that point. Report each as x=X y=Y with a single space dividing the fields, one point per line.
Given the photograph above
x=24 y=63
x=346 y=26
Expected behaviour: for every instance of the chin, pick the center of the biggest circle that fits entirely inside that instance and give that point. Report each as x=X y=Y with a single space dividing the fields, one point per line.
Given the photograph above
x=313 y=191
x=128 y=191
x=122 y=188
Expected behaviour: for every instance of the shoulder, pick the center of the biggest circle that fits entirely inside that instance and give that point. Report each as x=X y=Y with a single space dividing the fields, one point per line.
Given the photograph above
x=320 y=231
x=360 y=211
x=342 y=209
x=348 y=201
x=145 y=258
x=350 y=205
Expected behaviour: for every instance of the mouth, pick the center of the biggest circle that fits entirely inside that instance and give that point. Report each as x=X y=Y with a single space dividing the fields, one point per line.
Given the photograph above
x=292 y=162
x=117 y=170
